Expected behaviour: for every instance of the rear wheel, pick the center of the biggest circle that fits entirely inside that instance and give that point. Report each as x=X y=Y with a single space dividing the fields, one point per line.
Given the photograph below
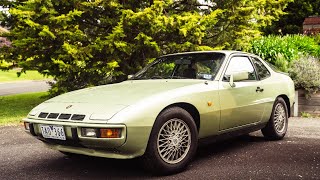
x=278 y=122
x=172 y=143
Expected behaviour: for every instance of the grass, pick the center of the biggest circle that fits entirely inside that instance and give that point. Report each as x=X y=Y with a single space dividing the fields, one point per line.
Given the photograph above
x=15 y=107
x=11 y=75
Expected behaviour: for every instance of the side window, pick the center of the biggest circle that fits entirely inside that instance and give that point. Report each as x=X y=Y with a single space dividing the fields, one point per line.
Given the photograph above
x=240 y=64
x=262 y=71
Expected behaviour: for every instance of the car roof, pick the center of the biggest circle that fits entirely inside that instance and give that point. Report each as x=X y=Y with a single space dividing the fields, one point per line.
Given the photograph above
x=226 y=52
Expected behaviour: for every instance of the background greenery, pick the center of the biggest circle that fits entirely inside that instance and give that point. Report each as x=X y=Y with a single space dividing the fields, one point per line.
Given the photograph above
x=305 y=72
x=83 y=43
x=11 y=75
x=15 y=107
x=296 y=12
x=282 y=50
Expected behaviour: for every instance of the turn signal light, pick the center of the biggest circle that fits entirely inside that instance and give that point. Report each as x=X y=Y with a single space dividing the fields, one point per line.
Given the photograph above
x=110 y=133
x=26 y=126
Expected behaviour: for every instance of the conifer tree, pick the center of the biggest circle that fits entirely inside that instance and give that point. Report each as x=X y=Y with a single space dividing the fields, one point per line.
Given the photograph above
x=83 y=43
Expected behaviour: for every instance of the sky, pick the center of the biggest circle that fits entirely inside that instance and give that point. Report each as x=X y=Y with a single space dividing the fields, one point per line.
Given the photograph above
x=3 y=9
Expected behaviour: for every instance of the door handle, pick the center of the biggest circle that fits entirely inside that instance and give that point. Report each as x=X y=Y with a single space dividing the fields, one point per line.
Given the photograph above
x=259 y=89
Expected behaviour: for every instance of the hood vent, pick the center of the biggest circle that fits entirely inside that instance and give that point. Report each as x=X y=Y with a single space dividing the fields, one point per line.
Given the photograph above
x=62 y=116
x=43 y=115
x=78 y=117
x=53 y=115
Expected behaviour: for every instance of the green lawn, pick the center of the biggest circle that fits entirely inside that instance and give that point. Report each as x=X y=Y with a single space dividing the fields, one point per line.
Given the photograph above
x=15 y=107
x=11 y=75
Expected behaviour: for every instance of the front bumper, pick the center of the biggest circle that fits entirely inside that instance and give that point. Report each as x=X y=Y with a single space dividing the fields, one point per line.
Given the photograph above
x=124 y=147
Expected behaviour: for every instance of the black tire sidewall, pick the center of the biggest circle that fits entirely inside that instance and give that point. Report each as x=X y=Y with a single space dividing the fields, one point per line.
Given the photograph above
x=270 y=130
x=153 y=160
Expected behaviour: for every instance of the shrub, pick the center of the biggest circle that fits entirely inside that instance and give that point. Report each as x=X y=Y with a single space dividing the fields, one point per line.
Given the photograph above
x=317 y=38
x=282 y=50
x=306 y=115
x=305 y=72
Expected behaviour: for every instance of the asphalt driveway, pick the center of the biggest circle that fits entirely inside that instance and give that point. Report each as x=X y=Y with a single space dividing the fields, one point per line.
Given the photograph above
x=247 y=157
x=18 y=87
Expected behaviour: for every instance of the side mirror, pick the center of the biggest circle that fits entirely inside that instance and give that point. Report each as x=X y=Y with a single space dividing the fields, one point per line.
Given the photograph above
x=231 y=82
x=130 y=76
x=238 y=76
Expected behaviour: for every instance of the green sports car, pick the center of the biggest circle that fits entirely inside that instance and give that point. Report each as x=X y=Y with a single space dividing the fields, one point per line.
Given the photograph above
x=164 y=111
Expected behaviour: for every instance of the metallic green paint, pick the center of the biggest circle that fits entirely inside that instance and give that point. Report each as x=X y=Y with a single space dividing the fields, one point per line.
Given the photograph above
x=134 y=105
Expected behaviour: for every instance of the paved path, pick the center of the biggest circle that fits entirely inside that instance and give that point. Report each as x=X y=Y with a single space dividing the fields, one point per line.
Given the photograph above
x=248 y=157
x=23 y=87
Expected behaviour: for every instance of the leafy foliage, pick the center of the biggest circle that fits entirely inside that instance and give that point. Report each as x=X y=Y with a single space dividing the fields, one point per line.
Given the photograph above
x=84 y=43
x=305 y=73
x=11 y=75
x=242 y=20
x=3 y=42
x=317 y=39
x=14 y=108
x=306 y=115
x=281 y=51
x=296 y=12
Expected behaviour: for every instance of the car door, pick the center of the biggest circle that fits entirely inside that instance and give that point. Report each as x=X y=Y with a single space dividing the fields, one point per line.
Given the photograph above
x=268 y=95
x=239 y=101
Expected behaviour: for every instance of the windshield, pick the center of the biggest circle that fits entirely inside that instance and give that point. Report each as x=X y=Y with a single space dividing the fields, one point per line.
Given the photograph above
x=183 y=66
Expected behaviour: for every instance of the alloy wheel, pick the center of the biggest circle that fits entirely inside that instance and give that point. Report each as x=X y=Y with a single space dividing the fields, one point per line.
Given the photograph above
x=174 y=141
x=280 y=118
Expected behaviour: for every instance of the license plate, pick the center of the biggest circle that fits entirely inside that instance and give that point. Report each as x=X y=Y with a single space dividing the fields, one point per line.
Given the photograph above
x=53 y=132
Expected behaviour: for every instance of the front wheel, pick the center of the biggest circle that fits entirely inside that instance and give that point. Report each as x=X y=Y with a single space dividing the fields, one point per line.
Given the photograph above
x=277 y=126
x=172 y=143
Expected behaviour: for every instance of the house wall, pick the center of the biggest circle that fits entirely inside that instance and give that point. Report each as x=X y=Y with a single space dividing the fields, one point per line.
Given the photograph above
x=311 y=106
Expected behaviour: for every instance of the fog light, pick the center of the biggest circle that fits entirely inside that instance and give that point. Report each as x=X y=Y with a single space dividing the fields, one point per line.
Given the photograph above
x=89 y=132
x=26 y=126
x=110 y=133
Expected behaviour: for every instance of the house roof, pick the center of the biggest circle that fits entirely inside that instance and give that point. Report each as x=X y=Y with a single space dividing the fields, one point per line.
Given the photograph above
x=312 y=20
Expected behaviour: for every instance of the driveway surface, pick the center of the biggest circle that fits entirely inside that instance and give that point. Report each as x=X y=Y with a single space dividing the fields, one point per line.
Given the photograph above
x=23 y=87
x=297 y=156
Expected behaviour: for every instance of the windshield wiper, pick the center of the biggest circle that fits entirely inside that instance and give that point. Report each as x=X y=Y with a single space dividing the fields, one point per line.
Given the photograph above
x=177 y=77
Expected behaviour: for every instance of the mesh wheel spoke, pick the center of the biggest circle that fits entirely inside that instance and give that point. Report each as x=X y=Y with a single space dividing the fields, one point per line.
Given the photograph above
x=174 y=141
x=279 y=118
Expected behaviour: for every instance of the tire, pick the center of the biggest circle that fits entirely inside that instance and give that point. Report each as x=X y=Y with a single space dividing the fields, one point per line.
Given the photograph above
x=161 y=160
x=277 y=125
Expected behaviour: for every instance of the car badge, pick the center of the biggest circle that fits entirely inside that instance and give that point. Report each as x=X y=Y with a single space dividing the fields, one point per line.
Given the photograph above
x=68 y=106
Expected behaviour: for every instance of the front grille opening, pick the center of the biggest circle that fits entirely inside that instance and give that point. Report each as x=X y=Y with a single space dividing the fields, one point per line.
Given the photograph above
x=43 y=115
x=78 y=117
x=64 y=116
x=53 y=115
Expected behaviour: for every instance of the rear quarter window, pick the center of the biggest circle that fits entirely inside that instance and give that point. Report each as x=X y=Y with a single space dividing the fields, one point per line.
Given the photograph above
x=262 y=70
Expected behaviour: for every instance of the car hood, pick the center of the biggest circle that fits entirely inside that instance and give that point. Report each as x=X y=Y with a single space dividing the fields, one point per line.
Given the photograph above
x=125 y=93
x=103 y=102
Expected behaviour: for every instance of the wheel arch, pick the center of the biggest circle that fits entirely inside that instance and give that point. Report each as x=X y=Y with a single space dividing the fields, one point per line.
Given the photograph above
x=287 y=100
x=191 y=109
